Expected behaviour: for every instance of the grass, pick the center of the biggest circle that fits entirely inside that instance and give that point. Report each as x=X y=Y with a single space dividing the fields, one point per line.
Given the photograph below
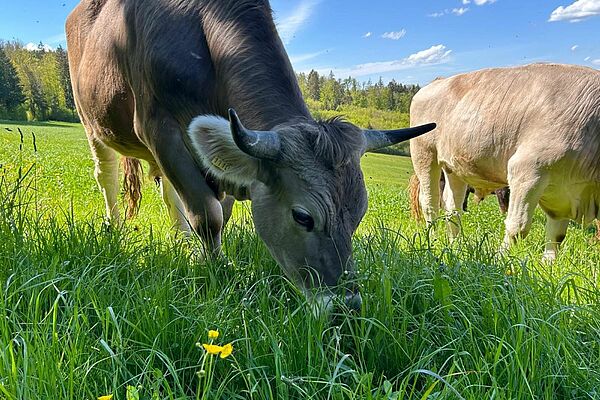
x=86 y=311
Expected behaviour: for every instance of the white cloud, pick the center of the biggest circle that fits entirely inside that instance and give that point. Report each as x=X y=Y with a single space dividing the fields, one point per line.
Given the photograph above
x=394 y=35
x=35 y=47
x=575 y=47
x=579 y=10
x=432 y=56
x=479 y=2
x=587 y=59
x=56 y=39
x=300 y=58
x=368 y=34
x=292 y=23
x=596 y=62
x=460 y=11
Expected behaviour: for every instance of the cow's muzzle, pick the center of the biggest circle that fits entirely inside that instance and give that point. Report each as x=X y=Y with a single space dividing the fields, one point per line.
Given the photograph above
x=353 y=300
x=326 y=301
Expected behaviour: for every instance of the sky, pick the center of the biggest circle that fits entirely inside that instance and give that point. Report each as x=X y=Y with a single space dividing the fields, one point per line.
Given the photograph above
x=411 y=41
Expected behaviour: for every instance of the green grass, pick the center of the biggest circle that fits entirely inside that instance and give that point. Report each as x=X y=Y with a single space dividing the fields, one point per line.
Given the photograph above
x=87 y=311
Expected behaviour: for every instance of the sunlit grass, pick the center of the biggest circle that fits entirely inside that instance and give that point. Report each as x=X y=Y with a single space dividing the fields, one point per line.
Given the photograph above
x=87 y=311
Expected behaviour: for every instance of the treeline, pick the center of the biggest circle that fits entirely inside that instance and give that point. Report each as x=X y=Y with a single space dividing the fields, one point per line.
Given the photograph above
x=366 y=104
x=35 y=85
x=331 y=93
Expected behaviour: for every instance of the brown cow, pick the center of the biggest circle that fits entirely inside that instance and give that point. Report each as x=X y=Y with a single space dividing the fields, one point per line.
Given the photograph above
x=143 y=70
x=534 y=127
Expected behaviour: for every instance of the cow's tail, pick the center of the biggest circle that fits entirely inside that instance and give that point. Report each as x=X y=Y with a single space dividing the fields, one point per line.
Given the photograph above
x=132 y=184
x=414 y=188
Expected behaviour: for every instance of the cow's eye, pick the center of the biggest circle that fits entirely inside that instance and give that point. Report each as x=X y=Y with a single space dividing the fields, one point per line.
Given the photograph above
x=303 y=218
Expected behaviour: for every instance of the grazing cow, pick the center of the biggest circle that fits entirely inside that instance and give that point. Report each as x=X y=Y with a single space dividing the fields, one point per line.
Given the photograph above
x=152 y=80
x=535 y=128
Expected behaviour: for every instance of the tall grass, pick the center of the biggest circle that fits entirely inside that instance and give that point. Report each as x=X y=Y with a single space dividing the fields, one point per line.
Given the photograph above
x=87 y=310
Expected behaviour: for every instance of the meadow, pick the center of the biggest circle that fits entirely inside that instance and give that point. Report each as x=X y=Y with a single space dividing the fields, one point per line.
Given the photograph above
x=87 y=310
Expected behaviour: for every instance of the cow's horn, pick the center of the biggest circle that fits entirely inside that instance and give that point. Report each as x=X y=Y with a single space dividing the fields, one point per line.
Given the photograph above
x=379 y=139
x=259 y=144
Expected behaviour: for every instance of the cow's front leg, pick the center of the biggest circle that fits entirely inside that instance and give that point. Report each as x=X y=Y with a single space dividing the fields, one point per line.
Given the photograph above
x=527 y=184
x=203 y=210
x=227 y=206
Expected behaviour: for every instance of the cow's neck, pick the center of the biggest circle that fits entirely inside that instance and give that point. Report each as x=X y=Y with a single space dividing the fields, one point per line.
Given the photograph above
x=253 y=72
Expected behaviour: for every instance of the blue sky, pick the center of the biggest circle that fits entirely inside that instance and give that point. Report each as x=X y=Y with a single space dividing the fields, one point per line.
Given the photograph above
x=412 y=41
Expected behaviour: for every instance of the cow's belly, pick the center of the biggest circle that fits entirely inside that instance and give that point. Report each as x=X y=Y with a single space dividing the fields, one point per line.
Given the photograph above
x=576 y=201
x=486 y=174
x=105 y=103
x=478 y=158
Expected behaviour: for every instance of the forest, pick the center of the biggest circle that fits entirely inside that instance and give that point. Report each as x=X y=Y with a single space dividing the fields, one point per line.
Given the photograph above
x=35 y=84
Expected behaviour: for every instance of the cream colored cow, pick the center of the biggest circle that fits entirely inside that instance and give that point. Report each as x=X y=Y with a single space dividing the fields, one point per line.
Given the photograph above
x=535 y=128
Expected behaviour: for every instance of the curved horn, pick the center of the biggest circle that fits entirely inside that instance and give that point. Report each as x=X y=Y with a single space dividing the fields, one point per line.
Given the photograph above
x=379 y=139
x=259 y=144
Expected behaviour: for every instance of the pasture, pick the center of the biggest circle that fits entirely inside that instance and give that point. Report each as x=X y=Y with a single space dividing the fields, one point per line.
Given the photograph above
x=87 y=311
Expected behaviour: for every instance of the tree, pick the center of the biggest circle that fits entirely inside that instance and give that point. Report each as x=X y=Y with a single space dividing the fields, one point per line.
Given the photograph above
x=331 y=92
x=303 y=83
x=65 y=78
x=11 y=92
x=314 y=85
x=38 y=106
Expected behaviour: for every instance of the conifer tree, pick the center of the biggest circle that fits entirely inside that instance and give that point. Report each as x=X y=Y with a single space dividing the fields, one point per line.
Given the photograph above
x=11 y=92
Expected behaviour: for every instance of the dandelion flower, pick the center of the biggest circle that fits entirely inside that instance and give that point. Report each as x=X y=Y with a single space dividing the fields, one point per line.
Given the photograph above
x=213 y=334
x=227 y=350
x=212 y=348
x=107 y=397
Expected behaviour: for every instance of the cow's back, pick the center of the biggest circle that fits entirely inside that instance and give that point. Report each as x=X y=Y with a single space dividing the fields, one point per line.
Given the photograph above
x=484 y=117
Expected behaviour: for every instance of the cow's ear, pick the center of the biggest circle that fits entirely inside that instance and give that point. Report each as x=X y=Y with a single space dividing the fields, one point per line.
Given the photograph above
x=210 y=140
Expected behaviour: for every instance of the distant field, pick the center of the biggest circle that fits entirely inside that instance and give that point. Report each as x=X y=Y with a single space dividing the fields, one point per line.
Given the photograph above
x=86 y=311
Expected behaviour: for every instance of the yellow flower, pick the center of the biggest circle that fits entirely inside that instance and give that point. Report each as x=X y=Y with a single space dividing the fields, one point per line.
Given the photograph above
x=509 y=272
x=212 y=348
x=107 y=397
x=227 y=350
x=213 y=334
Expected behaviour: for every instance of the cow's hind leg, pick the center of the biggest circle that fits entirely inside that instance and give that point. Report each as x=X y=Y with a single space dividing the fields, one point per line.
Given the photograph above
x=454 y=195
x=428 y=174
x=527 y=184
x=556 y=229
x=106 y=172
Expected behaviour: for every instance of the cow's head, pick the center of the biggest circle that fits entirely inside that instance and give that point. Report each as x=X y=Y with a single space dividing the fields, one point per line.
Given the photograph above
x=306 y=185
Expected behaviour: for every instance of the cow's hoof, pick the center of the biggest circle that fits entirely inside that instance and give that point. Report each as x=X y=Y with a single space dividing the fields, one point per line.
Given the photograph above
x=548 y=257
